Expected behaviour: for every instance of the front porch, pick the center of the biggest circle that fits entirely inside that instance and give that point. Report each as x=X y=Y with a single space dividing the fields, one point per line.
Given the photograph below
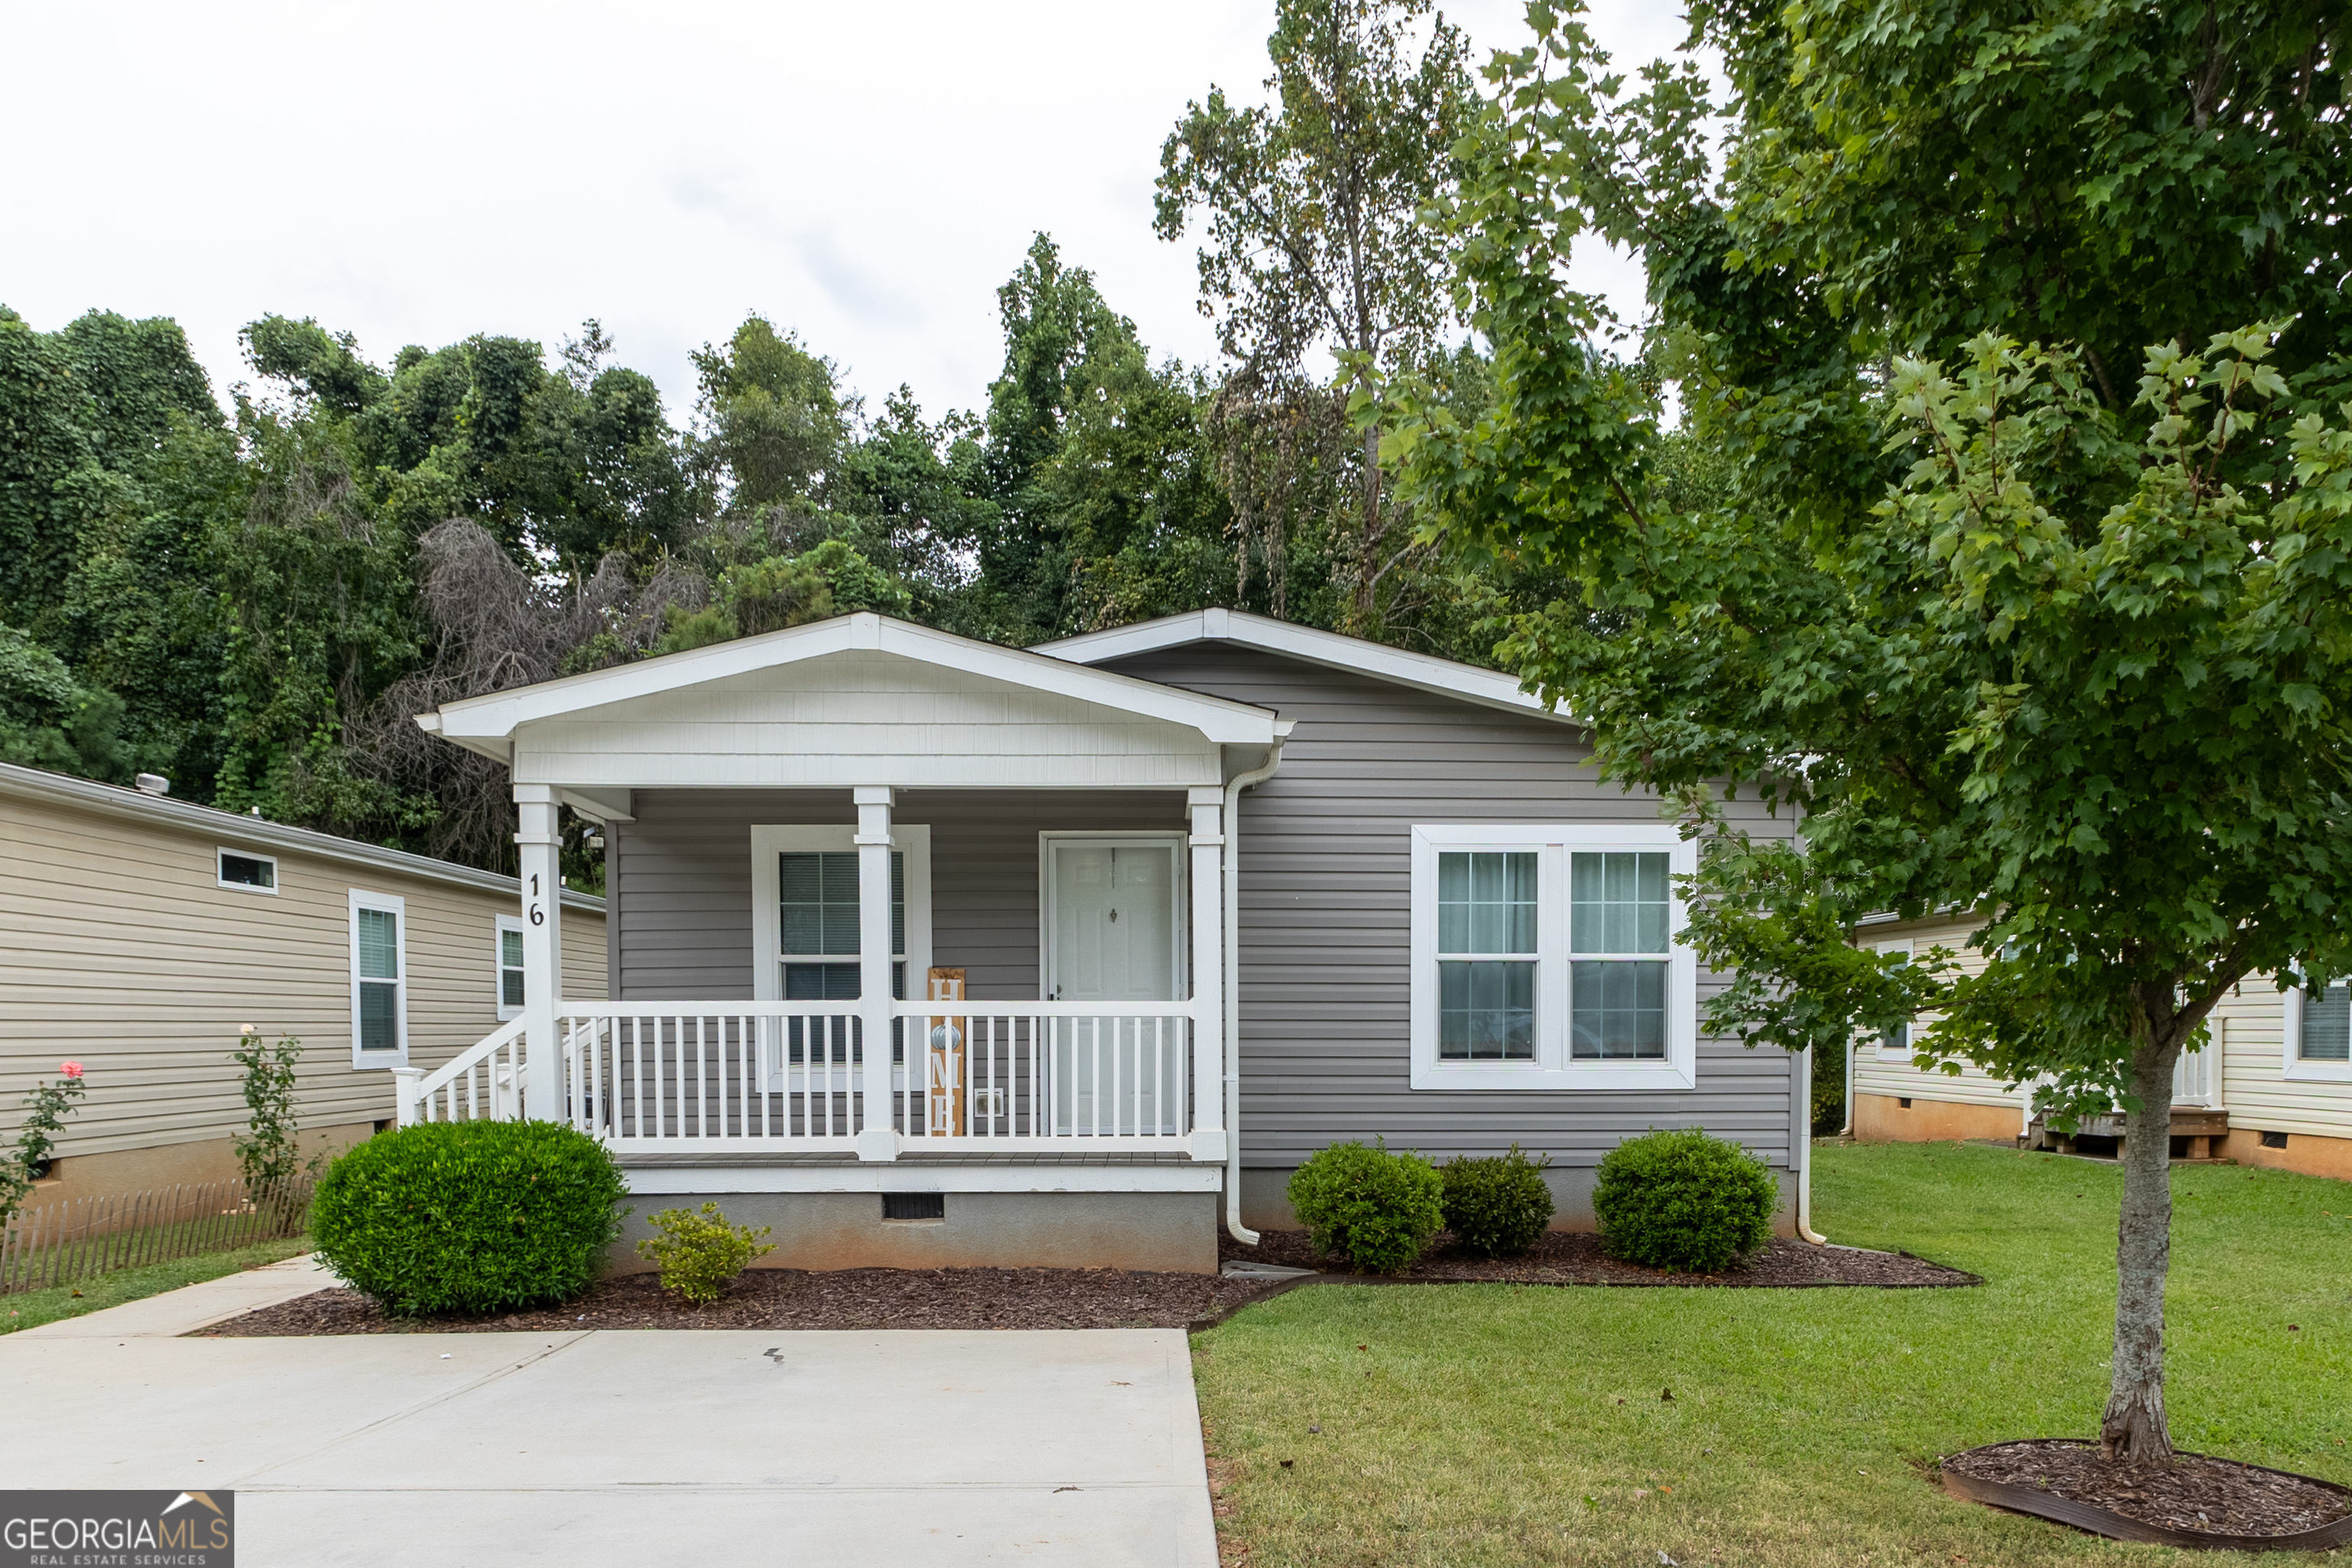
x=850 y=890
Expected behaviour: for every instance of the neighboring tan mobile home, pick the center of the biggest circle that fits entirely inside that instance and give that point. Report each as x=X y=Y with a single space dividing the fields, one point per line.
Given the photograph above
x=930 y=951
x=139 y=933
x=2274 y=1088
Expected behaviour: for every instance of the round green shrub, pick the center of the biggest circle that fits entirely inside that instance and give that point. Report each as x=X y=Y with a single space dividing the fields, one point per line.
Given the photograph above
x=1496 y=1207
x=1376 y=1209
x=470 y=1217
x=1684 y=1201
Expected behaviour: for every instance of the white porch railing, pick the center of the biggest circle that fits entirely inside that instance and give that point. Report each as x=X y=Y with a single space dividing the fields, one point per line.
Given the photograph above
x=739 y=1077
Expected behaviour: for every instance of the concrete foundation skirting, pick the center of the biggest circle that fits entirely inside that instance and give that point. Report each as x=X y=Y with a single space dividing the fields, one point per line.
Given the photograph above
x=1884 y=1119
x=1159 y=1232
x=191 y=1163
x=1266 y=1205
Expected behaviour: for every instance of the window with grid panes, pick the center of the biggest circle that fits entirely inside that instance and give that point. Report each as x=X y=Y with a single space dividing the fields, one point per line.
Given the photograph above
x=1619 y=909
x=1487 y=955
x=2326 y=1025
x=818 y=927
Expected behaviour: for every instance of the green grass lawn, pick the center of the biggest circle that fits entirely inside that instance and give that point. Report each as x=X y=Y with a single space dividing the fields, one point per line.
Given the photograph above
x=1493 y=1424
x=30 y=1309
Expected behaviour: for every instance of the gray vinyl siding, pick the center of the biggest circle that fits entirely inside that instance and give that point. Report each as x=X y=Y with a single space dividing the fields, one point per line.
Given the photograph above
x=1325 y=906
x=681 y=878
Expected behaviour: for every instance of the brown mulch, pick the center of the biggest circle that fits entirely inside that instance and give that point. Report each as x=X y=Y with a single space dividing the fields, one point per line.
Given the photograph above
x=2206 y=1495
x=794 y=1298
x=1574 y=1257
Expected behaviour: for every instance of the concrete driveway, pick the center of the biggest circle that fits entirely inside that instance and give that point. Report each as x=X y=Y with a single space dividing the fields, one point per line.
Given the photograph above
x=626 y=1447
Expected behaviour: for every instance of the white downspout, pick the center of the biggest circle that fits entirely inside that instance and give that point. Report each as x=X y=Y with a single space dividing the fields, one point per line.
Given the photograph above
x=1805 y=1146
x=1233 y=912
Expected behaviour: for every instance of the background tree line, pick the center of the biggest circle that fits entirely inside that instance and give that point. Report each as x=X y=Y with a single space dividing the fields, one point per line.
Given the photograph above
x=255 y=599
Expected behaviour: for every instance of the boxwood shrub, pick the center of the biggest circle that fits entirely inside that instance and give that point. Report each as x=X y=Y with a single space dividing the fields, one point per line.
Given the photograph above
x=1496 y=1206
x=470 y=1217
x=1376 y=1209
x=1684 y=1201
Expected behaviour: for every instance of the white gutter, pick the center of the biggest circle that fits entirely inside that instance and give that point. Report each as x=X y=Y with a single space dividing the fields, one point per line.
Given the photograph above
x=1805 y=1144
x=1232 y=912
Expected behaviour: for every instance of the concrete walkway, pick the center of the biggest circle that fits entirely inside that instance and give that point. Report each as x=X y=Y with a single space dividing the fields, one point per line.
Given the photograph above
x=625 y=1446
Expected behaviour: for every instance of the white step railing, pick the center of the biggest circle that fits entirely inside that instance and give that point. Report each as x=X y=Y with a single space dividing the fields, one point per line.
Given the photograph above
x=734 y=1077
x=482 y=1083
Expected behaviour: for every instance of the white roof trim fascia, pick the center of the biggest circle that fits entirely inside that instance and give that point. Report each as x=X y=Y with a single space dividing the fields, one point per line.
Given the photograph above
x=1421 y=671
x=113 y=800
x=496 y=716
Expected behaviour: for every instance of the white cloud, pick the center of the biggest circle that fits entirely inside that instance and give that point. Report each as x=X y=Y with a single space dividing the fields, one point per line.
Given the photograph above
x=864 y=175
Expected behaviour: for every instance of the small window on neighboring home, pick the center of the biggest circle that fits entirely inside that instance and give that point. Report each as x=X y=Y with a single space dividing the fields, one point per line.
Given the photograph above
x=1894 y=1044
x=379 y=980
x=509 y=967
x=2327 y=1034
x=255 y=873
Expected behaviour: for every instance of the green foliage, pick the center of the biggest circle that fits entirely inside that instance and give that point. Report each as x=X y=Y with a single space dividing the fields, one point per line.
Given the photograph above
x=269 y=1149
x=46 y=1106
x=1497 y=1206
x=775 y=415
x=2010 y=631
x=49 y=720
x=1684 y=1201
x=470 y=1217
x=1376 y=1209
x=698 y=1253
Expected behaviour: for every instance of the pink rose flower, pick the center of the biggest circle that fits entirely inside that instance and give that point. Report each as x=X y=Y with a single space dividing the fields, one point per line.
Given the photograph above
x=71 y=1069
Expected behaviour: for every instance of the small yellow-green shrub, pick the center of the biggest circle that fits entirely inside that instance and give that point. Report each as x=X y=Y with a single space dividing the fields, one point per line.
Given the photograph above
x=698 y=1253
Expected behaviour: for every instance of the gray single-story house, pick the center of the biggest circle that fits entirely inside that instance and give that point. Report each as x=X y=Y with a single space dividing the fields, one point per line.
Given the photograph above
x=1146 y=917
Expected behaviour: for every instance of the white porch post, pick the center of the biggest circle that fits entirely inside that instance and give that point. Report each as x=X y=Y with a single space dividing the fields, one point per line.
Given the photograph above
x=543 y=951
x=1209 y=850
x=876 y=1140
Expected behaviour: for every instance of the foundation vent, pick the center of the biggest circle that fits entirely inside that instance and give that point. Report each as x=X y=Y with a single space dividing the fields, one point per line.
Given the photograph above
x=914 y=1206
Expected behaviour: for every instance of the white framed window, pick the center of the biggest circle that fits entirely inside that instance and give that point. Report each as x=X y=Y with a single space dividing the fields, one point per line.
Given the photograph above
x=379 y=980
x=804 y=921
x=245 y=870
x=2318 y=1034
x=1894 y=1044
x=1544 y=957
x=506 y=957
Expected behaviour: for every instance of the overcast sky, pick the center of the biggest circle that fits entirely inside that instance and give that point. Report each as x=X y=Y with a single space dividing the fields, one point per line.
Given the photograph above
x=867 y=175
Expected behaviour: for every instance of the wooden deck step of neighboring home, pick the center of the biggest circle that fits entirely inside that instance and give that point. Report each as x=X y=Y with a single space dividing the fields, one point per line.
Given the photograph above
x=2199 y=1125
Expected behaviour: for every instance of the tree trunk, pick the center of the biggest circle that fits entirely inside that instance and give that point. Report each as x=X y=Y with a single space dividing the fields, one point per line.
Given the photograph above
x=1367 y=581
x=2134 y=1430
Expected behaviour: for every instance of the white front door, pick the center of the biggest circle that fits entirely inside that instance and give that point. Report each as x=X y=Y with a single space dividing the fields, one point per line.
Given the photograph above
x=1111 y=934
x=1113 y=920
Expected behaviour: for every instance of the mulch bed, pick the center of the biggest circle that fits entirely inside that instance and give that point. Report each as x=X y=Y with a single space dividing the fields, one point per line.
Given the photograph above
x=1574 y=1257
x=2195 y=1493
x=1059 y=1298
x=792 y=1298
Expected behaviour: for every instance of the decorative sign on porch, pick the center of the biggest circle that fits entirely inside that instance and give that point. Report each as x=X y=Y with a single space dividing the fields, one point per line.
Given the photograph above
x=944 y=1101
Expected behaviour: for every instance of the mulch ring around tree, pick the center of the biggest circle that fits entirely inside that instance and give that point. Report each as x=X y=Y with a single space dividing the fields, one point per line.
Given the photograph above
x=1574 y=1257
x=2197 y=1501
x=794 y=1298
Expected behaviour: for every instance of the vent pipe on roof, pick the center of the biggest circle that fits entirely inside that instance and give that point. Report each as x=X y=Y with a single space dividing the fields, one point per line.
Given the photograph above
x=153 y=783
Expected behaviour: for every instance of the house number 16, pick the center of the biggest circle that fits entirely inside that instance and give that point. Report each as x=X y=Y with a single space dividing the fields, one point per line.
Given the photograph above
x=538 y=915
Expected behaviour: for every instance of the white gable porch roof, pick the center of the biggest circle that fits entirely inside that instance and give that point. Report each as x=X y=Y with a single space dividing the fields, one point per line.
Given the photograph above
x=857 y=700
x=1421 y=671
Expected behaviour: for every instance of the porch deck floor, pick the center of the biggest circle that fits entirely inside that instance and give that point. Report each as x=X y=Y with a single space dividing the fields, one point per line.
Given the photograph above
x=620 y=1448
x=762 y=1160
